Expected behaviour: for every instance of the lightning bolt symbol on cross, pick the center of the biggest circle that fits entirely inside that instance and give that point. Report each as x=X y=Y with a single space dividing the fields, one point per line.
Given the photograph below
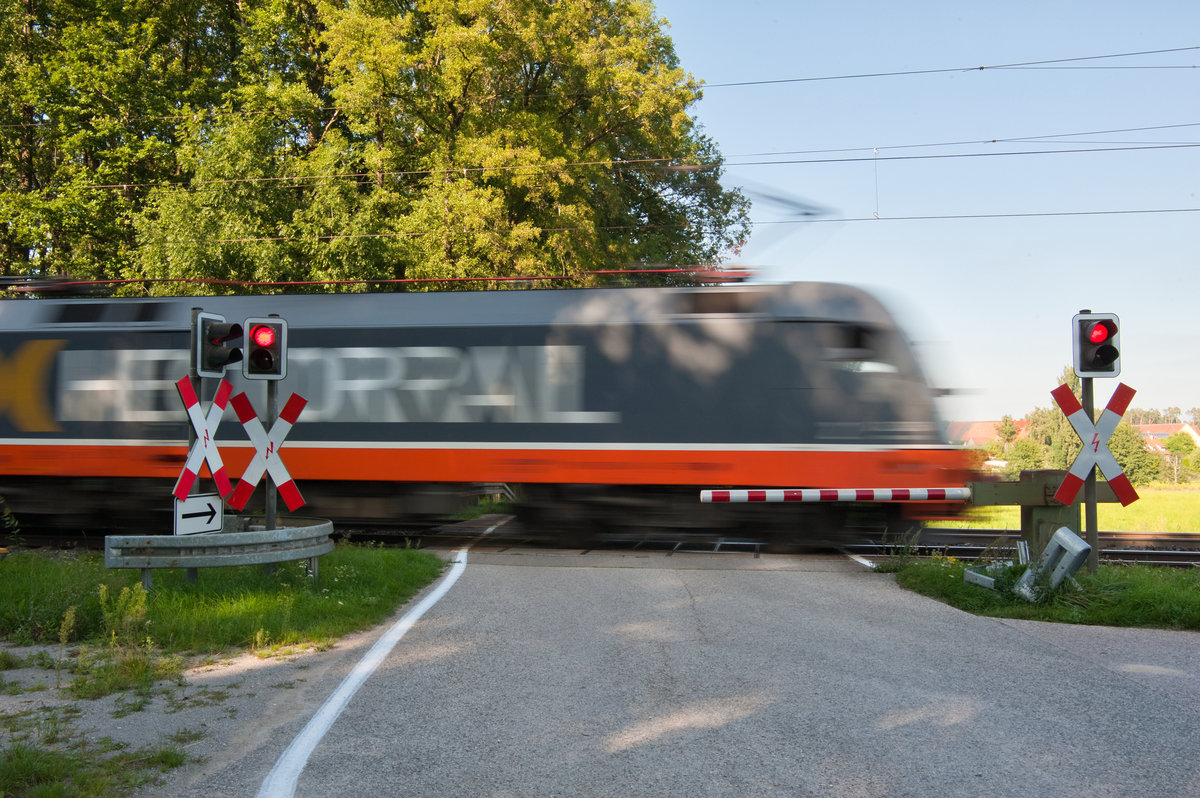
x=1095 y=435
x=266 y=458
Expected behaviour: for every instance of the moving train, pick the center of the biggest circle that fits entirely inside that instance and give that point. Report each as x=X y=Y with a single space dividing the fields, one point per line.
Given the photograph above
x=606 y=410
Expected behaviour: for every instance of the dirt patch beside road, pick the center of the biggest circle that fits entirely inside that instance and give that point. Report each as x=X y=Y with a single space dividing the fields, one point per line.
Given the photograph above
x=215 y=709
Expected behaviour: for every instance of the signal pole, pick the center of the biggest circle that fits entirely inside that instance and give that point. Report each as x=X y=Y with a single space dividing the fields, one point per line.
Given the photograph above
x=1090 y=522
x=1096 y=352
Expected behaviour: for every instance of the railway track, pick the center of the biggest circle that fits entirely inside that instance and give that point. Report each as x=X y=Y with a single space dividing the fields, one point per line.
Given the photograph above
x=1175 y=549
x=1180 y=549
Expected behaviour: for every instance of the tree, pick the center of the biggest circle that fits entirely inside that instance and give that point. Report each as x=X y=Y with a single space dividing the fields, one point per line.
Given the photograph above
x=1007 y=431
x=1049 y=429
x=1180 y=457
x=1024 y=455
x=90 y=95
x=1129 y=448
x=445 y=138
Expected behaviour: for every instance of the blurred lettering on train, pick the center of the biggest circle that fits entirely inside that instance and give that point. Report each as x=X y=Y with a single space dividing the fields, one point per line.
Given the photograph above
x=478 y=384
x=24 y=385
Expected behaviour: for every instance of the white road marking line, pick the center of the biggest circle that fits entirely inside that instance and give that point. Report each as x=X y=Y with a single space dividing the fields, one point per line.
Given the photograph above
x=281 y=781
x=860 y=560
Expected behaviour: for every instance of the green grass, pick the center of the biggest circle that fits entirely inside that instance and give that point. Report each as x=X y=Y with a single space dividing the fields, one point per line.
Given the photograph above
x=226 y=608
x=83 y=770
x=101 y=629
x=1116 y=595
x=487 y=505
x=1159 y=508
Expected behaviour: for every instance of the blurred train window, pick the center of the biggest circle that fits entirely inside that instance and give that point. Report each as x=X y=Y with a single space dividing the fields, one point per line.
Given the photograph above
x=856 y=347
x=111 y=312
x=719 y=302
x=79 y=314
x=145 y=311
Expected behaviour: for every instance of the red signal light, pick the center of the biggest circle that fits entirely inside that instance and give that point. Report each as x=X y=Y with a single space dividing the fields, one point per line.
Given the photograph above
x=1098 y=334
x=265 y=336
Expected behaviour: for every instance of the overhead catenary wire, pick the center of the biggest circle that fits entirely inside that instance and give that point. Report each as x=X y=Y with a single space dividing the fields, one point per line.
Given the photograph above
x=298 y=181
x=1051 y=63
x=967 y=142
x=754 y=223
x=943 y=70
x=303 y=181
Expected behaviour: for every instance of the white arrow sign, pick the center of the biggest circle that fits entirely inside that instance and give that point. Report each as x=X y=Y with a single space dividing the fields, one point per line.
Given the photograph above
x=197 y=514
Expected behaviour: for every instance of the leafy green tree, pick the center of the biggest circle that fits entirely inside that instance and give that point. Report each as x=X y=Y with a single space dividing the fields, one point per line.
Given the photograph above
x=1049 y=429
x=1007 y=431
x=1024 y=455
x=445 y=139
x=90 y=93
x=318 y=140
x=1129 y=448
x=1180 y=459
x=1181 y=444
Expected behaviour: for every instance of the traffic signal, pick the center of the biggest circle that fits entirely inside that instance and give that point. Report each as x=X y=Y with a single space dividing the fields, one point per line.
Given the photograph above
x=1097 y=347
x=266 y=349
x=217 y=344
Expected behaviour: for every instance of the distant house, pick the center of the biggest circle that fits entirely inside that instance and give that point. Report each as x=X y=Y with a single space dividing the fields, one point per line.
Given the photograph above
x=978 y=434
x=1156 y=435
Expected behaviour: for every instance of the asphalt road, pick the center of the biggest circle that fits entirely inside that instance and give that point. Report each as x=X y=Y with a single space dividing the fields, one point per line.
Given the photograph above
x=648 y=675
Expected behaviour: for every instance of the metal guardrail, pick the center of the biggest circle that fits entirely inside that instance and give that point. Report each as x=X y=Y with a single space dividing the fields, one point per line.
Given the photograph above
x=302 y=538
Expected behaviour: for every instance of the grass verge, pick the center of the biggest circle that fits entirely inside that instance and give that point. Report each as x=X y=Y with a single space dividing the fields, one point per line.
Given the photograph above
x=1159 y=508
x=1116 y=595
x=245 y=607
x=99 y=633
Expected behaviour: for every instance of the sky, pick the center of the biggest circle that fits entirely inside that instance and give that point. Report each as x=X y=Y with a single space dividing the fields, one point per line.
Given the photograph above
x=988 y=300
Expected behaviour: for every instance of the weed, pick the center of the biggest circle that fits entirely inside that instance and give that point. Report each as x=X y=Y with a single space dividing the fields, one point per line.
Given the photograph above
x=901 y=551
x=8 y=522
x=127 y=705
x=120 y=670
x=125 y=618
x=65 y=630
x=204 y=697
x=487 y=505
x=44 y=771
x=261 y=640
x=185 y=736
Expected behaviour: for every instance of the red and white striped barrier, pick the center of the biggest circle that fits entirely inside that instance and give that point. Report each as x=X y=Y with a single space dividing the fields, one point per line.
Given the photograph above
x=205 y=448
x=266 y=458
x=836 y=495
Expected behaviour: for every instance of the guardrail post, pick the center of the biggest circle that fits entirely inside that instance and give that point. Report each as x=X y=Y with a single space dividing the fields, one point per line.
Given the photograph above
x=1041 y=513
x=302 y=539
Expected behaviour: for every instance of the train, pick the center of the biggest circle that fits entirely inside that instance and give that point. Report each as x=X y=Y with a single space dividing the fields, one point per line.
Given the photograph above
x=604 y=410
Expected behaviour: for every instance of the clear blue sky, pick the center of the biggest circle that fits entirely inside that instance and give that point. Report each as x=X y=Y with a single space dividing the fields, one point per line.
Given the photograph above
x=988 y=302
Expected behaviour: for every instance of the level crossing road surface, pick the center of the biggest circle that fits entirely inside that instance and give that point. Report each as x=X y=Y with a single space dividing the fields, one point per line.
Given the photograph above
x=645 y=674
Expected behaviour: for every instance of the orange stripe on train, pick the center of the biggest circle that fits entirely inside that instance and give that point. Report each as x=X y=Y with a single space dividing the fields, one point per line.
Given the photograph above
x=884 y=469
